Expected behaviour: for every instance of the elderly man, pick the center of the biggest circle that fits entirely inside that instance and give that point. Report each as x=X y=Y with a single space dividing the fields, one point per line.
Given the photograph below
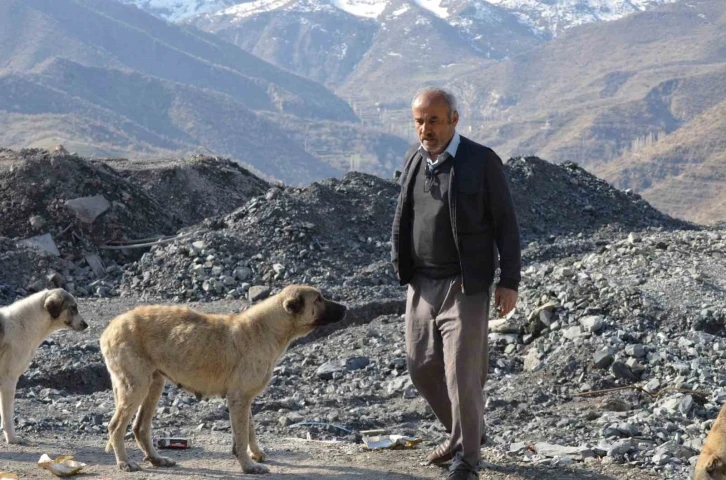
x=454 y=222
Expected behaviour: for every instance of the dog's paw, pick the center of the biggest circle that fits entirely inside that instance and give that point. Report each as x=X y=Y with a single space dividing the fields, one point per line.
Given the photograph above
x=15 y=441
x=253 y=467
x=258 y=455
x=160 y=461
x=129 y=466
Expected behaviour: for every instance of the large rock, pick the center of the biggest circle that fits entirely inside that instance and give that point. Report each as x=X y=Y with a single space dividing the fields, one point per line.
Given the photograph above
x=87 y=209
x=42 y=243
x=558 y=451
x=592 y=323
x=259 y=292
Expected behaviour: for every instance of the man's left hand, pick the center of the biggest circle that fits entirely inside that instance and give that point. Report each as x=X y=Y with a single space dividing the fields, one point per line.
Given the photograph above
x=505 y=300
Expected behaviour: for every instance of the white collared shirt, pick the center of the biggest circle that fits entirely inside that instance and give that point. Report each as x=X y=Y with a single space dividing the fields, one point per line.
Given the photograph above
x=450 y=149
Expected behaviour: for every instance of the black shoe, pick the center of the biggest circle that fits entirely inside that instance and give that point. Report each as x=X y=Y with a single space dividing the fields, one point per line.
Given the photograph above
x=463 y=475
x=442 y=453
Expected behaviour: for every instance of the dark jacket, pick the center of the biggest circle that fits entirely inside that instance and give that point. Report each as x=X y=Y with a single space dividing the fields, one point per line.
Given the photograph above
x=483 y=219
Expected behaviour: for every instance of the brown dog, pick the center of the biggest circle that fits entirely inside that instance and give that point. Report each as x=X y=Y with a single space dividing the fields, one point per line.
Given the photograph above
x=711 y=464
x=210 y=355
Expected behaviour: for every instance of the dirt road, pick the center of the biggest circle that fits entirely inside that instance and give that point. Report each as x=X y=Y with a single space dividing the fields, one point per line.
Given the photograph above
x=289 y=458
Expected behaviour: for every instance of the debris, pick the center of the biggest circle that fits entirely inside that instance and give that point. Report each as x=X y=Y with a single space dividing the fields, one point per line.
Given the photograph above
x=42 y=243
x=94 y=261
x=63 y=466
x=393 y=442
x=87 y=209
x=174 y=443
x=697 y=393
x=322 y=424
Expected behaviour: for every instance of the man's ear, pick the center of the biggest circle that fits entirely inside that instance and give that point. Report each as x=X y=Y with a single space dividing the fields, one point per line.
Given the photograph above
x=53 y=304
x=714 y=464
x=294 y=305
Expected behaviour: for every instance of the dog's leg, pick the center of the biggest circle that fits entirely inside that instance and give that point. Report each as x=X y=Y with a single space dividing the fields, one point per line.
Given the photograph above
x=239 y=413
x=129 y=395
x=7 y=399
x=142 y=424
x=256 y=452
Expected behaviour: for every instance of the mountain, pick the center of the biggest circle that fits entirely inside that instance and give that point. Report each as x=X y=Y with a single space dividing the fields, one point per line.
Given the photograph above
x=683 y=174
x=110 y=78
x=544 y=17
x=330 y=40
x=554 y=17
x=175 y=10
x=148 y=115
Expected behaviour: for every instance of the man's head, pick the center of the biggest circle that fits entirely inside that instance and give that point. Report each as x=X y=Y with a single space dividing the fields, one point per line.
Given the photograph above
x=435 y=117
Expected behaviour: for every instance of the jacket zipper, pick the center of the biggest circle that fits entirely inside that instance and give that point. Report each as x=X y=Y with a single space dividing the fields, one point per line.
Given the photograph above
x=452 y=215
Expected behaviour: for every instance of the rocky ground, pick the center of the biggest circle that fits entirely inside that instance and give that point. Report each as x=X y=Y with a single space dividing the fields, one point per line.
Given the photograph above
x=615 y=296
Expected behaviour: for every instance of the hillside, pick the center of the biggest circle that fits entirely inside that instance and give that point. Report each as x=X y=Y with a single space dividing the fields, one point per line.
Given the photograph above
x=146 y=114
x=109 y=79
x=683 y=174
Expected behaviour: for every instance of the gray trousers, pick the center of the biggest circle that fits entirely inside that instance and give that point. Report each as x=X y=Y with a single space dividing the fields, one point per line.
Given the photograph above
x=448 y=358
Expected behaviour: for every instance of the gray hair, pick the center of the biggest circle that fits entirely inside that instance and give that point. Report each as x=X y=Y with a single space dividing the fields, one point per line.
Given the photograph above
x=445 y=95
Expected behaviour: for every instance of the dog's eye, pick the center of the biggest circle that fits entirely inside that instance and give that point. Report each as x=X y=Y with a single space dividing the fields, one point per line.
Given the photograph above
x=74 y=309
x=319 y=299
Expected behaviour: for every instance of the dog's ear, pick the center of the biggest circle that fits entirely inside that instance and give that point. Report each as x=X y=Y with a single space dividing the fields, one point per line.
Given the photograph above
x=294 y=304
x=714 y=464
x=54 y=304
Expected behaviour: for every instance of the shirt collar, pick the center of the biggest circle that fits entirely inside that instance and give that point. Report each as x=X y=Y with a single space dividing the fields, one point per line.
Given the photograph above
x=450 y=149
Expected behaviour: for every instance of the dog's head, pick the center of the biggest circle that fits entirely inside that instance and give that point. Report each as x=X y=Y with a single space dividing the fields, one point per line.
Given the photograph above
x=710 y=464
x=709 y=467
x=309 y=309
x=63 y=309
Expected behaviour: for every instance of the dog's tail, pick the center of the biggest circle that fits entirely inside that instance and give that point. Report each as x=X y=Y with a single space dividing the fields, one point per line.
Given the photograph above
x=108 y=446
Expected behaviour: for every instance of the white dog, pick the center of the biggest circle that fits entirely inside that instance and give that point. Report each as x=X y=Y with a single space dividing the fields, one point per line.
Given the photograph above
x=23 y=327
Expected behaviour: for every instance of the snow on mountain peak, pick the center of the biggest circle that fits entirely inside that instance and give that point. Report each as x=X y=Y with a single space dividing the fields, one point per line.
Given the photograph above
x=542 y=16
x=361 y=8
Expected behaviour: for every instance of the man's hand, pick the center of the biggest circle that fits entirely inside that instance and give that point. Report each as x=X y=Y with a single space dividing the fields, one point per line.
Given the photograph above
x=504 y=300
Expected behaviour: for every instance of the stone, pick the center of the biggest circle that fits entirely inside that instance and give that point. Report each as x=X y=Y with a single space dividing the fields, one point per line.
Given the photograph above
x=258 y=292
x=517 y=447
x=592 y=323
x=533 y=360
x=327 y=370
x=621 y=371
x=558 y=451
x=603 y=358
x=42 y=243
x=621 y=447
x=356 y=363
x=37 y=222
x=87 y=209
x=572 y=333
x=243 y=274
x=685 y=404
x=637 y=351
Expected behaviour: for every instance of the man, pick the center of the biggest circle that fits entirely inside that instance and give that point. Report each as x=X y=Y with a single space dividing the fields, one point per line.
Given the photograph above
x=454 y=217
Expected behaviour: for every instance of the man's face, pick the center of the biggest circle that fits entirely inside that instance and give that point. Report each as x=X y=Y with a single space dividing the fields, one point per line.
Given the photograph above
x=434 y=125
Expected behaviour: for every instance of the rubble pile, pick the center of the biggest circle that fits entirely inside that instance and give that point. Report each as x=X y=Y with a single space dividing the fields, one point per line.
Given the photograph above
x=553 y=200
x=646 y=314
x=336 y=234
x=333 y=234
x=75 y=200
x=60 y=209
x=195 y=188
x=615 y=353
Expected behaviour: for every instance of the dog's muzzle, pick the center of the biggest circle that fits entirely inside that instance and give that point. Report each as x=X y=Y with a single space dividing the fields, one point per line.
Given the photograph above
x=83 y=325
x=334 y=312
